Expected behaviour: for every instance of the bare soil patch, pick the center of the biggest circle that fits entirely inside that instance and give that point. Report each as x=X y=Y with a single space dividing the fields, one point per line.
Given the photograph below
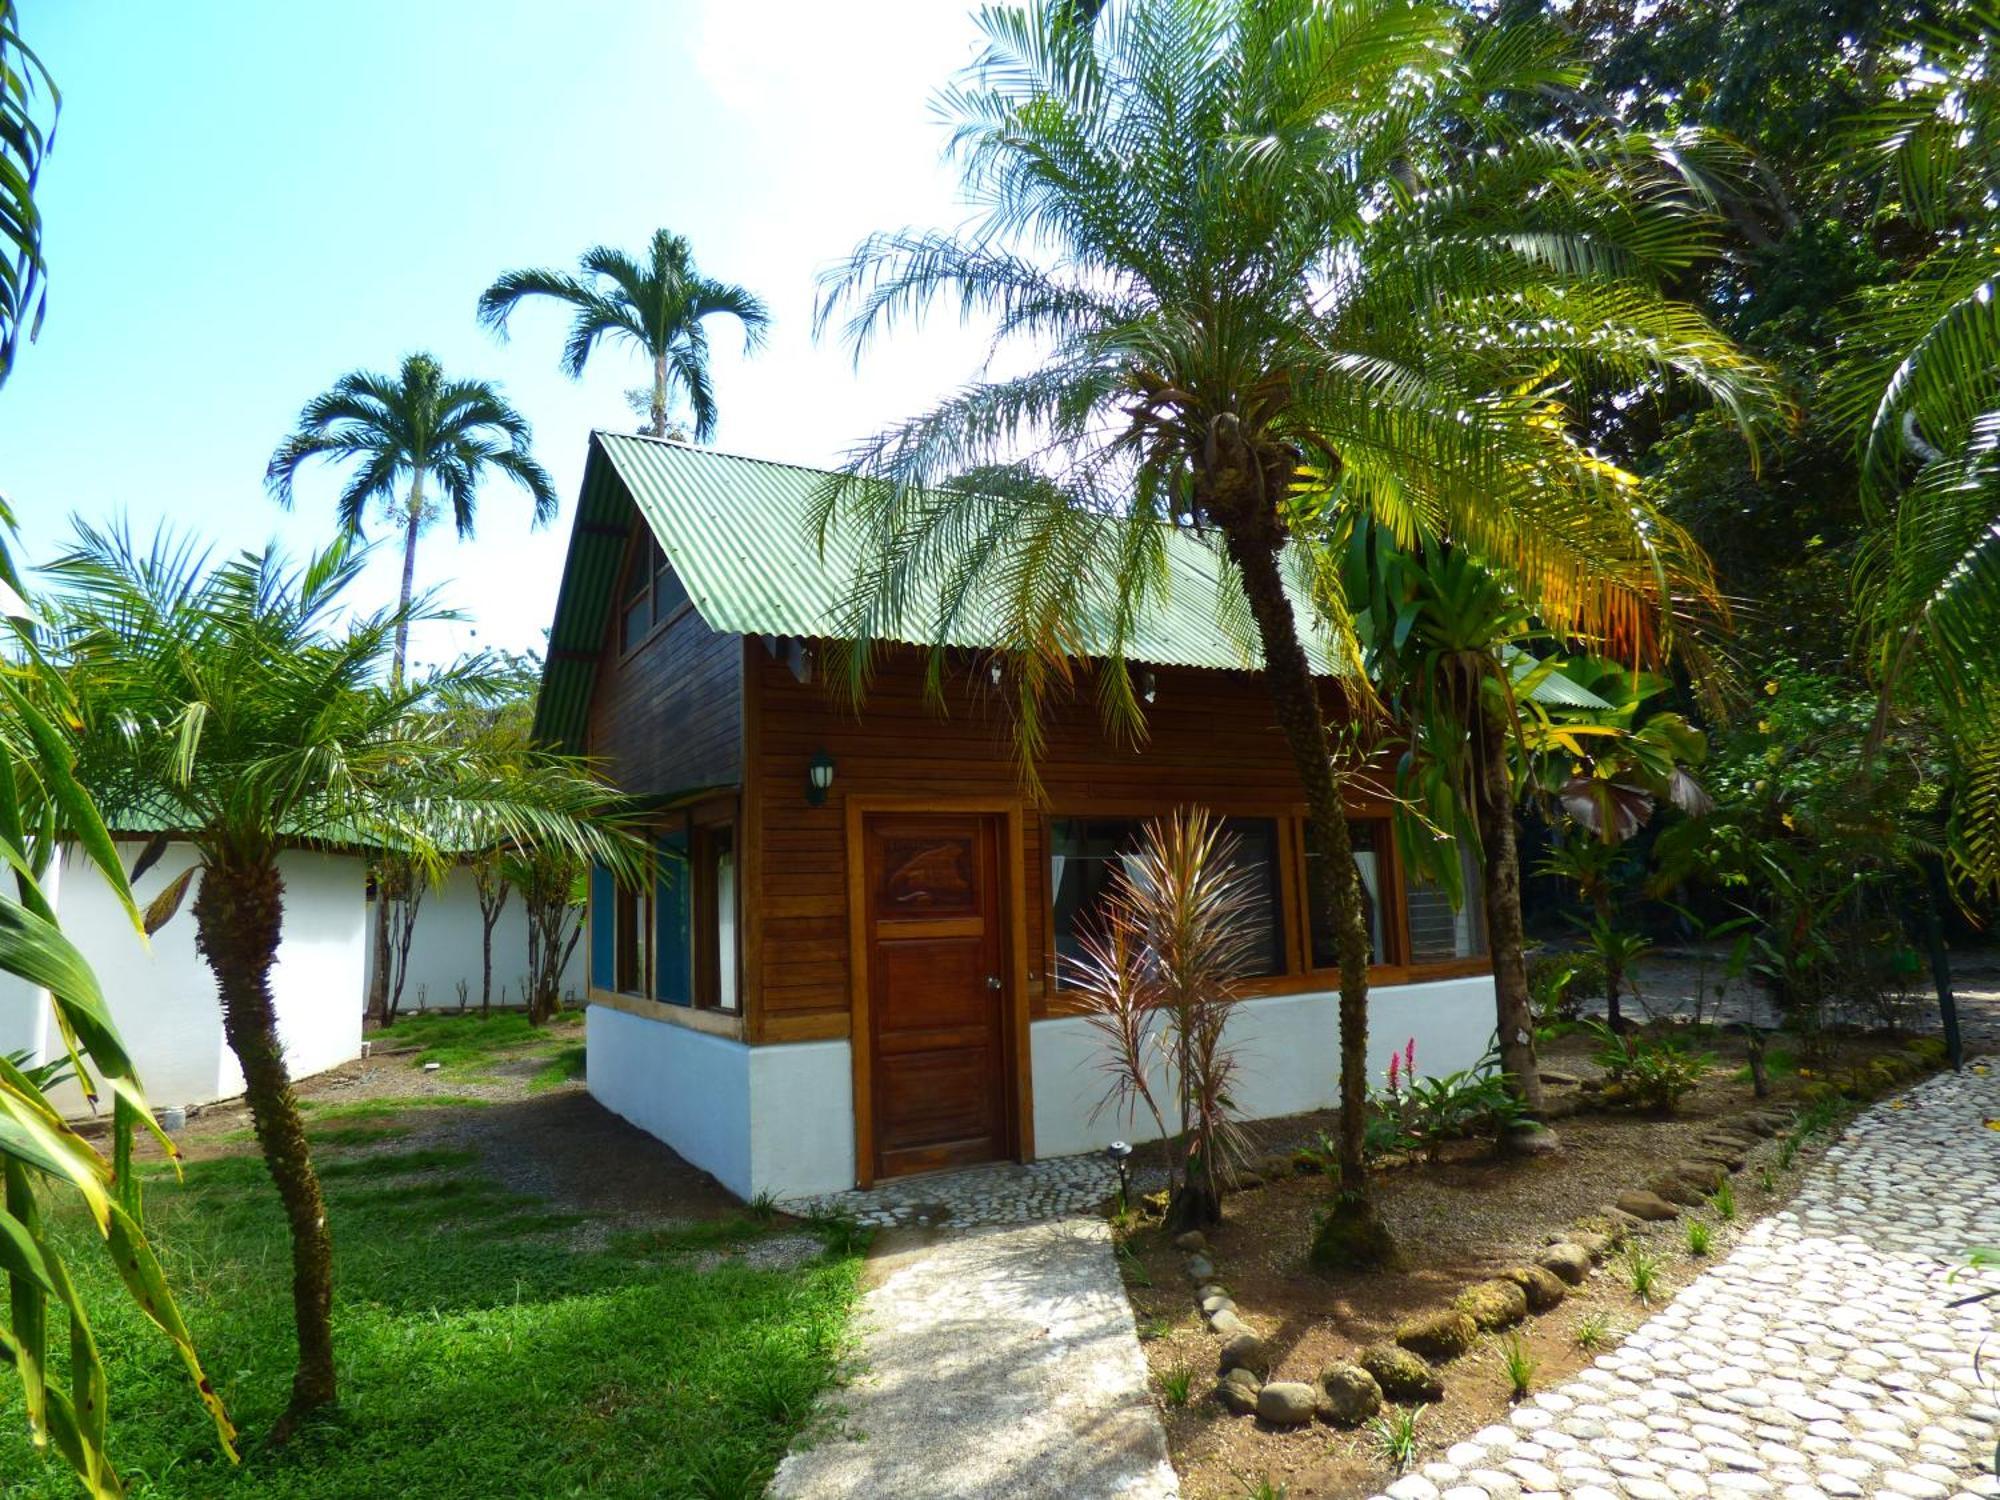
x=1461 y=1220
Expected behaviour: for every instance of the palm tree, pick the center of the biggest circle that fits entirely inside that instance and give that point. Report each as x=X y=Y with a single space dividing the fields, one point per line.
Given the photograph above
x=1280 y=263
x=659 y=306
x=401 y=432
x=1450 y=646
x=222 y=700
x=24 y=141
x=1920 y=384
x=44 y=808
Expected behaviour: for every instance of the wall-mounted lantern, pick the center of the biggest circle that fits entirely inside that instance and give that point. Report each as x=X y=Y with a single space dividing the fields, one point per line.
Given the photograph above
x=819 y=776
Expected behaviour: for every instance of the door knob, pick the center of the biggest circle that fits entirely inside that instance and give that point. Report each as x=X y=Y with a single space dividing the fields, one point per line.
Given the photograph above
x=993 y=981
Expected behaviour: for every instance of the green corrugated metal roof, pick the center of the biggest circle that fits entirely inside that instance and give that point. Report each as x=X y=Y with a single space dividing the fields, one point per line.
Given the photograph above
x=739 y=534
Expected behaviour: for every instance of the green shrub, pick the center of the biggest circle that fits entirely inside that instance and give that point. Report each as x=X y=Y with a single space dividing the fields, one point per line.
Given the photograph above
x=1647 y=1074
x=1558 y=985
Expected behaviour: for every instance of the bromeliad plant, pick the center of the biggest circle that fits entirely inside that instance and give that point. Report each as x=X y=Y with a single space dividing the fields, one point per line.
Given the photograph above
x=1652 y=1075
x=1158 y=978
x=224 y=704
x=1417 y=1113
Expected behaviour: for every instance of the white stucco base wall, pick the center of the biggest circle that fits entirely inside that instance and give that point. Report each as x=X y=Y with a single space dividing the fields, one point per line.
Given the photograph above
x=776 y=1119
x=162 y=994
x=1288 y=1058
x=780 y=1119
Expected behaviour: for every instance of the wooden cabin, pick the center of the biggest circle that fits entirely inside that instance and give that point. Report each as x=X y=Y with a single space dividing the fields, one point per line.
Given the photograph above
x=848 y=965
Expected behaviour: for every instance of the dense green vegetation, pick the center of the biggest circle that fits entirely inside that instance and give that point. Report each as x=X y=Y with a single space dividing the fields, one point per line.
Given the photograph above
x=485 y=1349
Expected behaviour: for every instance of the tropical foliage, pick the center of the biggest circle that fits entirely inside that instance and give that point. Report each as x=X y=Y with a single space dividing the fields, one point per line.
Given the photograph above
x=1921 y=382
x=401 y=434
x=1157 y=979
x=27 y=130
x=1282 y=266
x=238 y=706
x=659 y=305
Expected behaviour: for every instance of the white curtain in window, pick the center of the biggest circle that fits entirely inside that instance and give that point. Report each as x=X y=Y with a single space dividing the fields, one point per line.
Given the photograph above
x=725 y=930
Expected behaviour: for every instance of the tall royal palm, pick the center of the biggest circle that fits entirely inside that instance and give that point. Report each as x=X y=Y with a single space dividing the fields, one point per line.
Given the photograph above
x=1272 y=264
x=403 y=435
x=660 y=306
x=238 y=704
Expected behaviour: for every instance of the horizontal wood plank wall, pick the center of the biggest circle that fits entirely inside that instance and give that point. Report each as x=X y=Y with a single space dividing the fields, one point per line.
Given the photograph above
x=1212 y=739
x=669 y=715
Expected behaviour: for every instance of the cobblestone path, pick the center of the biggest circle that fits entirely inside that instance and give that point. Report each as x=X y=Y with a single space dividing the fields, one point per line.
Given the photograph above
x=1821 y=1358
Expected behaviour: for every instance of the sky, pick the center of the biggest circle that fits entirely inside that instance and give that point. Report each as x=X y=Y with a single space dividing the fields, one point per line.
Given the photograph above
x=246 y=200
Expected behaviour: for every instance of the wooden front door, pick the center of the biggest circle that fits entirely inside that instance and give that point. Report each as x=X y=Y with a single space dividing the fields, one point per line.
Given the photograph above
x=936 y=991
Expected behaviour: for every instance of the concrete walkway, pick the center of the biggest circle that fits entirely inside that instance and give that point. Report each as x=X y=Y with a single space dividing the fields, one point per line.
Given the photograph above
x=1820 y=1359
x=999 y=1364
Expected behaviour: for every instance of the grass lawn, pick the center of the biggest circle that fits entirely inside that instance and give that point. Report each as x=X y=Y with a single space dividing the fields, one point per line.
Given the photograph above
x=482 y=1351
x=469 y=1041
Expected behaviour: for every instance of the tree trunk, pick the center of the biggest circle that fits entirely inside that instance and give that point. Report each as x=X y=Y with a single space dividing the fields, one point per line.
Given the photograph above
x=1351 y=1234
x=657 y=420
x=238 y=914
x=1514 y=1011
x=1614 y=972
x=486 y=965
x=411 y=526
x=378 y=985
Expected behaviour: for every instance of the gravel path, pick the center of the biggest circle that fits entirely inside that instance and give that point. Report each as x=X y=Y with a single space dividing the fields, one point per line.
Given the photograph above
x=1000 y=1364
x=1821 y=1359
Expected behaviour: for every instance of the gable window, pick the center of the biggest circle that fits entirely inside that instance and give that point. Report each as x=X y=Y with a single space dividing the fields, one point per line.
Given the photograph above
x=653 y=593
x=1370 y=838
x=1085 y=852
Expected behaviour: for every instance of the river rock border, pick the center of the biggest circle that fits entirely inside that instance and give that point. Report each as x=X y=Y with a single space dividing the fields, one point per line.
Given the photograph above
x=1405 y=1368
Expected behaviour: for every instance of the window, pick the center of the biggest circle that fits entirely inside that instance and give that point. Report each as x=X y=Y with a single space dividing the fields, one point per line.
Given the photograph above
x=1437 y=933
x=695 y=902
x=653 y=593
x=1082 y=852
x=715 y=890
x=1371 y=857
x=631 y=913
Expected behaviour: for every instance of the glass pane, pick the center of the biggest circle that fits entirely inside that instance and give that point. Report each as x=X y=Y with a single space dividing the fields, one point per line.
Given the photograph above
x=1256 y=842
x=631 y=960
x=725 y=922
x=668 y=594
x=1082 y=856
x=672 y=951
x=1437 y=933
x=1370 y=840
x=638 y=619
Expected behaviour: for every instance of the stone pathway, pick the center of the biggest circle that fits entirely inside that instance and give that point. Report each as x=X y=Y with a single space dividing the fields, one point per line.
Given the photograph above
x=1820 y=1359
x=999 y=1364
x=996 y=1193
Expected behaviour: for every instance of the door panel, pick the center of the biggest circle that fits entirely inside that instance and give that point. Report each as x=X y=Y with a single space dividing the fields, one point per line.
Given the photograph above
x=937 y=996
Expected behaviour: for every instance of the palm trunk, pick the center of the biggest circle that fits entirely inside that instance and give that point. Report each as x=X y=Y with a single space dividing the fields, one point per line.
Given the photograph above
x=486 y=968
x=1351 y=1235
x=378 y=985
x=238 y=914
x=657 y=421
x=1614 y=972
x=1514 y=1012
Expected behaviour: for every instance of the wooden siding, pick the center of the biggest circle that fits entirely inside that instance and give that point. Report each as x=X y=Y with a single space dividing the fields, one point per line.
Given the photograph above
x=1212 y=739
x=668 y=715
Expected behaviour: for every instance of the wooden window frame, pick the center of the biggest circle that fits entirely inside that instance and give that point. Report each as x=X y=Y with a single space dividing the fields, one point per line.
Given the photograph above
x=1299 y=975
